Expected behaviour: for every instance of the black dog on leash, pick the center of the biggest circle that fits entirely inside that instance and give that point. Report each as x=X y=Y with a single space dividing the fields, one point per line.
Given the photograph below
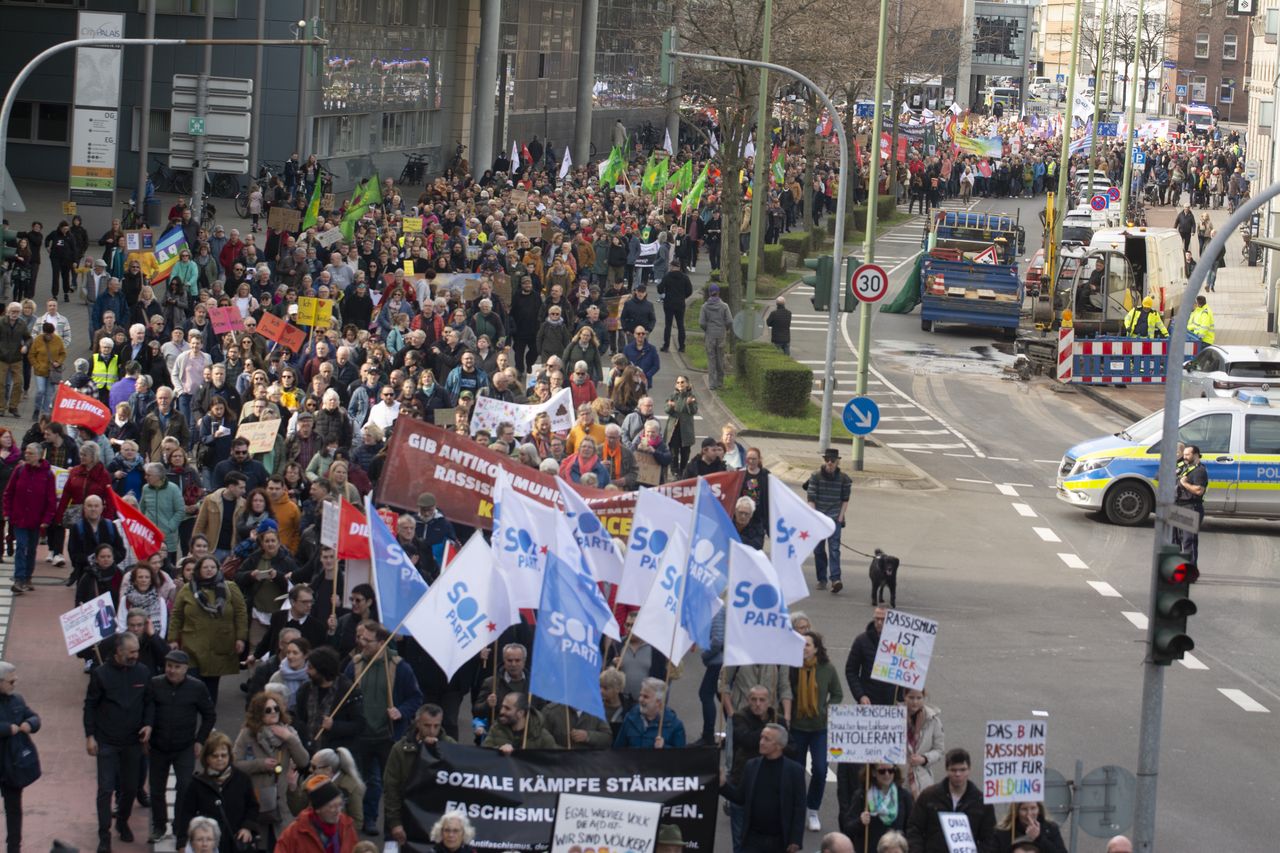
x=884 y=573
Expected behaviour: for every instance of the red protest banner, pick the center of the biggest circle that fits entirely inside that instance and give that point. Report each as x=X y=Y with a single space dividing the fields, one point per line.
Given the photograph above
x=422 y=457
x=353 y=533
x=286 y=334
x=76 y=409
x=144 y=537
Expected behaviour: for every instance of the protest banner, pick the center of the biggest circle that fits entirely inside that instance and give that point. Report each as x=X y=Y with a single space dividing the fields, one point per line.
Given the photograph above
x=75 y=409
x=619 y=826
x=511 y=799
x=906 y=645
x=409 y=271
x=284 y=218
x=60 y=477
x=864 y=734
x=412 y=225
x=353 y=533
x=1013 y=761
x=282 y=332
x=313 y=311
x=518 y=197
x=89 y=624
x=530 y=228
x=327 y=238
x=422 y=457
x=330 y=523
x=139 y=240
x=489 y=412
x=957 y=832
x=261 y=434
x=329 y=201
x=226 y=319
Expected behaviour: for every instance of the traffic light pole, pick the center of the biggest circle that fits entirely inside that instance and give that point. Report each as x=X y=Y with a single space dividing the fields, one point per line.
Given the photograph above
x=27 y=70
x=833 y=310
x=1144 y=817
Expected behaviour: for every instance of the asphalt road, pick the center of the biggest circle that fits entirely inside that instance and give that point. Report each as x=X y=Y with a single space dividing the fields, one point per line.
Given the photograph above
x=1040 y=604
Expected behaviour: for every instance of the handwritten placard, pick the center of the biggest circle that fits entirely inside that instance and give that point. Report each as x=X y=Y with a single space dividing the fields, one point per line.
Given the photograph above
x=413 y=225
x=261 y=434
x=602 y=823
x=327 y=238
x=862 y=734
x=286 y=334
x=1013 y=761
x=226 y=319
x=906 y=645
x=957 y=832
x=281 y=218
x=531 y=228
x=313 y=311
x=88 y=624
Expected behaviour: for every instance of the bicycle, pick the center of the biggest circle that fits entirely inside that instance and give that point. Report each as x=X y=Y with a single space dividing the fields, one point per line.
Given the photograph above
x=459 y=162
x=129 y=216
x=170 y=180
x=415 y=169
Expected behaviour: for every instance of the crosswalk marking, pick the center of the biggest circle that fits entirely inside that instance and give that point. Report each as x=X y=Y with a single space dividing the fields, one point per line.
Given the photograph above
x=1244 y=700
x=1139 y=620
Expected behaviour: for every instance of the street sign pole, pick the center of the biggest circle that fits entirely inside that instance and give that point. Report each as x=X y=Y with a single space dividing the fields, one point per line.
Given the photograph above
x=1097 y=96
x=869 y=245
x=1064 y=158
x=837 y=249
x=1129 y=116
x=202 y=110
x=1144 y=811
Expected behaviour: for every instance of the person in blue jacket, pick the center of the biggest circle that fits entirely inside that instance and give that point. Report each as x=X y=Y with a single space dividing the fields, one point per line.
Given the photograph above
x=640 y=725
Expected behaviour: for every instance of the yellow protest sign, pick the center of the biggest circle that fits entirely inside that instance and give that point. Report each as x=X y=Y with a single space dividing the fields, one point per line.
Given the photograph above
x=408 y=268
x=314 y=312
x=413 y=225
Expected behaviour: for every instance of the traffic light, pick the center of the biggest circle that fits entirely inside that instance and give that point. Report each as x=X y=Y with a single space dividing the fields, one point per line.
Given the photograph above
x=667 y=64
x=820 y=280
x=1174 y=576
x=8 y=244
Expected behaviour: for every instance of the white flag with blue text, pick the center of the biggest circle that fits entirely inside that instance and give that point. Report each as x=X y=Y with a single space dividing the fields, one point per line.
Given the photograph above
x=522 y=529
x=795 y=530
x=656 y=518
x=598 y=547
x=658 y=622
x=757 y=624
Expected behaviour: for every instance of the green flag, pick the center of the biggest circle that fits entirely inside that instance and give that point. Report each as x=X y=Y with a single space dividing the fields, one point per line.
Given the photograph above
x=694 y=197
x=366 y=195
x=664 y=171
x=682 y=180
x=612 y=169
x=780 y=167
x=649 y=181
x=313 y=207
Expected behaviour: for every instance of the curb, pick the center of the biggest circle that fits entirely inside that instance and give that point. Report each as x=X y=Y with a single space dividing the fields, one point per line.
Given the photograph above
x=1111 y=403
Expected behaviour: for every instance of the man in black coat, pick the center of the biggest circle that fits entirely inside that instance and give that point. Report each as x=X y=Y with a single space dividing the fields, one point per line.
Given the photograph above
x=318 y=698
x=772 y=795
x=1186 y=225
x=779 y=323
x=954 y=794
x=118 y=715
x=84 y=537
x=675 y=288
x=302 y=598
x=857 y=667
x=178 y=700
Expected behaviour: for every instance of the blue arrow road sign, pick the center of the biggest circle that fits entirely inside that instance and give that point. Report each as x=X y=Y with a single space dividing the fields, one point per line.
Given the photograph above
x=861 y=415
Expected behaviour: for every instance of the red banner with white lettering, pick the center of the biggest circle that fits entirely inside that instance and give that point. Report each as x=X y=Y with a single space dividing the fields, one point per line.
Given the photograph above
x=144 y=537
x=353 y=533
x=76 y=409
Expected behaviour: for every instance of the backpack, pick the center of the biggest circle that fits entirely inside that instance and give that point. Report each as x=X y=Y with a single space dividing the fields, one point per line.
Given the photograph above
x=19 y=763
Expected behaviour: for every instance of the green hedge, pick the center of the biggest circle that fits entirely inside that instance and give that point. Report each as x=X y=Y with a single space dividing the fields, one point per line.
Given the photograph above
x=796 y=242
x=777 y=382
x=774 y=263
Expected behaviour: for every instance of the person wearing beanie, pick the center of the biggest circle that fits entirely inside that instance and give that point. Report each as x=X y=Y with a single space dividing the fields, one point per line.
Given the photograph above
x=322 y=827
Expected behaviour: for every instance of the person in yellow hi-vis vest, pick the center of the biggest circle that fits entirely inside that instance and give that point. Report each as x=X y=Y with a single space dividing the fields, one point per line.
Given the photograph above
x=1200 y=326
x=105 y=368
x=1145 y=322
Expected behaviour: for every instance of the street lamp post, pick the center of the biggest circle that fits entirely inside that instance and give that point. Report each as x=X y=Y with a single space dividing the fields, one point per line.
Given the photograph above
x=759 y=183
x=833 y=311
x=27 y=70
x=1129 y=116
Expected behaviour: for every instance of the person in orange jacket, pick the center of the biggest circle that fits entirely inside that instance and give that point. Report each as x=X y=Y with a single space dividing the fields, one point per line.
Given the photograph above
x=323 y=826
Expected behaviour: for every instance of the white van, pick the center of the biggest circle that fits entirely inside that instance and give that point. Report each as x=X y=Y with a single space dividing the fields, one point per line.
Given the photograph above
x=1081 y=223
x=1155 y=258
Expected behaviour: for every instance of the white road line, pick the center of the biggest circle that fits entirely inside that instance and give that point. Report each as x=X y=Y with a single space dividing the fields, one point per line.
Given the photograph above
x=912 y=431
x=1244 y=700
x=1105 y=589
x=1139 y=620
x=1048 y=461
x=1073 y=561
x=923 y=446
x=1006 y=490
x=960 y=455
x=1024 y=510
x=910 y=449
x=904 y=418
x=1046 y=534
x=1190 y=661
x=1002 y=459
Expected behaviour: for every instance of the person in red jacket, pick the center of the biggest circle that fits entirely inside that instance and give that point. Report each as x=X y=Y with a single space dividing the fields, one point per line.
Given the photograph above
x=232 y=250
x=30 y=501
x=321 y=827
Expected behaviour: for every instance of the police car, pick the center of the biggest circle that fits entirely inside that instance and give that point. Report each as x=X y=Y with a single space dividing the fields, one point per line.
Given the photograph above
x=1239 y=441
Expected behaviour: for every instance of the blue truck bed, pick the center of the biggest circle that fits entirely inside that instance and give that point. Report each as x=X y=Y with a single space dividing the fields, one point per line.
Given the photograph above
x=969 y=294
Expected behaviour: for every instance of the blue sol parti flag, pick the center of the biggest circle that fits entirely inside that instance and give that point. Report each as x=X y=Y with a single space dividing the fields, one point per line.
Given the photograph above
x=707 y=568
x=397 y=584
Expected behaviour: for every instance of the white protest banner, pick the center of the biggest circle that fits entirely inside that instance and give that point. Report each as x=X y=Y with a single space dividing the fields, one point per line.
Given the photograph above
x=906 y=645
x=490 y=411
x=603 y=823
x=328 y=238
x=89 y=624
x=330 y=524
x=864 y=734
x=956 y=830
x=260 y=434
x=655 y=517
x=1013 y=761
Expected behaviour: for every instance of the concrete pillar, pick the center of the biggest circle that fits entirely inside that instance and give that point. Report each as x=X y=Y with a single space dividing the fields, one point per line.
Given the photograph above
x=144 y=133
x=964 y=72
x=486 y=85
x=586 y=82
x=255 y=117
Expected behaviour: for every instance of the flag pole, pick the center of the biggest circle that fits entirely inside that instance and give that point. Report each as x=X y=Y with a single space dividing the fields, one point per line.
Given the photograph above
x=494 y=709
x=866 y=795
x=528 y=715
x=360 y=677
x=568 y=729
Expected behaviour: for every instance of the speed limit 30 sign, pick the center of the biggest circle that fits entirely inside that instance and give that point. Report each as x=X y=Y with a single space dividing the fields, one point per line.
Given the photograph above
x=870 y=283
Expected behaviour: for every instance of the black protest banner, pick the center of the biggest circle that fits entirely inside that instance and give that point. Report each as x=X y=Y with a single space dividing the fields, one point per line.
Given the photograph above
x=511 y=799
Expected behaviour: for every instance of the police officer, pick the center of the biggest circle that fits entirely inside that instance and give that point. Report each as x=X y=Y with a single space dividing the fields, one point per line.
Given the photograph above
x=1145 y=322
x=1200 y=325
x=1193 y=482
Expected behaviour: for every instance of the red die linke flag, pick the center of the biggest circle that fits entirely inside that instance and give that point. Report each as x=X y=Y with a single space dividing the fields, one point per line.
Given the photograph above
x=144 y=537
x=75 y=409
x=353 y=535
